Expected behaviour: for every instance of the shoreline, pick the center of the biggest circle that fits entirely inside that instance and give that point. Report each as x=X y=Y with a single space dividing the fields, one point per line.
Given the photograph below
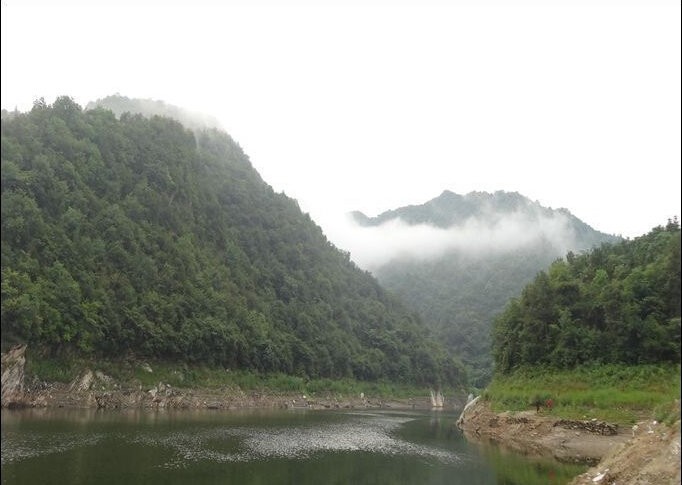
x=96 y=390
x=164 y=396
x=532 y=433
x=649 y=452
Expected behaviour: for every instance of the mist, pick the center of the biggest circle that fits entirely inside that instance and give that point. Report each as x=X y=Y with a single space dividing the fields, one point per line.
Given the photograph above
x=371 y=247
x=194 y=120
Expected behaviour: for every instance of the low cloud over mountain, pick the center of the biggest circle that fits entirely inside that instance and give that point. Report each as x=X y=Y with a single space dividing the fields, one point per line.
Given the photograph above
x=477 y=224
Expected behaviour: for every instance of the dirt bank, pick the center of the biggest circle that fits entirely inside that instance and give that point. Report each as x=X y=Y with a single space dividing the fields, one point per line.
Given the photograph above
x=651 y=456
x=648 y=453
x=532 y=433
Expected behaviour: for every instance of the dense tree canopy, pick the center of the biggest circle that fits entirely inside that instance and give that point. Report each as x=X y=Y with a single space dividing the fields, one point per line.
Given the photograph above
x=134 y=236
x=619 y=303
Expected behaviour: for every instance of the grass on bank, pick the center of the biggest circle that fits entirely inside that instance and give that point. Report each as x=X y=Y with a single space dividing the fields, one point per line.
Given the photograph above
x=616 y=393
x=133 y=374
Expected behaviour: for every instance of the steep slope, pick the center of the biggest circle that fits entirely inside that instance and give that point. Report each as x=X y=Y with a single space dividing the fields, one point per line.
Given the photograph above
x=133 y=236
x=487 y=248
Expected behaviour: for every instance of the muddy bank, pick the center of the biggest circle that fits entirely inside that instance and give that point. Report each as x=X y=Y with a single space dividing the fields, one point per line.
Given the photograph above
x=532 y=433
x=646 y=454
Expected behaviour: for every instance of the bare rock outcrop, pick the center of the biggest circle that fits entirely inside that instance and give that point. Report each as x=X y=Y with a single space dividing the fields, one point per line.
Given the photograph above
x=592 y=426
x=94 y=389
x=13 y=363
x=82 y=383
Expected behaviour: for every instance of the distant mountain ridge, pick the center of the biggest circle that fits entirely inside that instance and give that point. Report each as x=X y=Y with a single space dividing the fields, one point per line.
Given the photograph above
x=451 y=209
x=459 y=291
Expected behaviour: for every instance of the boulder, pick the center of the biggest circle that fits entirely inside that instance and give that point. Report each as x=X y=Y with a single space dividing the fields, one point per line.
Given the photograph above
x=84 y=383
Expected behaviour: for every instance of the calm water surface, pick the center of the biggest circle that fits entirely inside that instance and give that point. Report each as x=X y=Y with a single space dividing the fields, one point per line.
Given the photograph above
x=255 y=447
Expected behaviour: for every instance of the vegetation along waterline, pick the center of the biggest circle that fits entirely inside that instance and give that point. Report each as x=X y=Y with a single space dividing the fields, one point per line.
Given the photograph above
x=615 y=393
x=164 y=385
x=624 y=421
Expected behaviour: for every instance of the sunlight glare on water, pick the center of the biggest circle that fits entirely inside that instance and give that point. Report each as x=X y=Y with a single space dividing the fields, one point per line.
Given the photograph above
x=369 y=433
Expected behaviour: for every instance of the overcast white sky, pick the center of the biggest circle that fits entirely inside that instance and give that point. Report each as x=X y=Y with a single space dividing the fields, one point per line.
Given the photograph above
x=375 y=105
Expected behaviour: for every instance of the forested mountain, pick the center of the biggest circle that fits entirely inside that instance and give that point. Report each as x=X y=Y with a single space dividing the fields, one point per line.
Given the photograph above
x=491 y=246
x=135 y=237
x=618 y=303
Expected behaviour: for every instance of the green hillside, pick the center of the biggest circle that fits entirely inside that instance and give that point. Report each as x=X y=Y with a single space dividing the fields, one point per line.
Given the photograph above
x=617 y=304
x=135 y=237
x=598 y=334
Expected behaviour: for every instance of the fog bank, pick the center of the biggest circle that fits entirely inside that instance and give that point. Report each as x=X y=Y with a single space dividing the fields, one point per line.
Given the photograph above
x=371 y=247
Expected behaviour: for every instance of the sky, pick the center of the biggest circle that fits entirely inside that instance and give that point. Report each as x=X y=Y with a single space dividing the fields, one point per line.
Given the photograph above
x=375 y=105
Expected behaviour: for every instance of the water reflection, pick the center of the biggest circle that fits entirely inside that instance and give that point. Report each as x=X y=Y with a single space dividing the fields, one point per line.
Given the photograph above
x=513 y=469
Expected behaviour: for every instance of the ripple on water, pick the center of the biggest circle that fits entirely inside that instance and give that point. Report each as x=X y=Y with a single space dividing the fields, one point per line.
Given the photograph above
x=363 y=433
x=17 y=447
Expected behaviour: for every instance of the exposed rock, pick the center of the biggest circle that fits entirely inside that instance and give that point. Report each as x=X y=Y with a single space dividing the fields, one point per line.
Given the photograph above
x=96 y=389
x=593 y=426
x=471 y=401
x=104 y=381
x=13 y=363
x=84 y=383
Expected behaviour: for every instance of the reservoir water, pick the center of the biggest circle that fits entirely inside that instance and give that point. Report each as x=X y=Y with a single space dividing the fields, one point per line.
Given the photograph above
x=59 y=446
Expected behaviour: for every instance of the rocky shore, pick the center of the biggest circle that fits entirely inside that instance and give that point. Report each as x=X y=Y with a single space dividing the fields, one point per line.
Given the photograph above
x=647 y=453
x=94 y=389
